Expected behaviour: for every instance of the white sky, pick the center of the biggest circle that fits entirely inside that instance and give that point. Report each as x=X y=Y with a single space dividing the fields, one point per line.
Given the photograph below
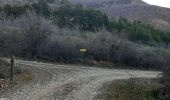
x=162 y=3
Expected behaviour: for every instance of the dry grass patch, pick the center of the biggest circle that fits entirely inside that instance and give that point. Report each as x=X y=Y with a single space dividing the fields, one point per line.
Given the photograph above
x=26 y=77
x=130 y=90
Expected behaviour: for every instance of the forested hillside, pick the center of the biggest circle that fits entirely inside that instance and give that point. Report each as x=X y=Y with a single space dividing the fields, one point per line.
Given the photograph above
x=132 y=10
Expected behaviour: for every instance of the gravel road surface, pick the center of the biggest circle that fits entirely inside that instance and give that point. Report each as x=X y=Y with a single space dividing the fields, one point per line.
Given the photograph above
x=65 y=82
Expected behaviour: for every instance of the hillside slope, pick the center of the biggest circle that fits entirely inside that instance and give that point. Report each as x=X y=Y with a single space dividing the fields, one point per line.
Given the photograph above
x=131 y=9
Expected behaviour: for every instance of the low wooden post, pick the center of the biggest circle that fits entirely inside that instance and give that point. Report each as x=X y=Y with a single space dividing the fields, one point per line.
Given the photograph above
x=12 y=68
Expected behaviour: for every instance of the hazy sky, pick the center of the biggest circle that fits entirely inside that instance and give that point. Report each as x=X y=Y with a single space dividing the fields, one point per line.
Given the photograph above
x=163 y=3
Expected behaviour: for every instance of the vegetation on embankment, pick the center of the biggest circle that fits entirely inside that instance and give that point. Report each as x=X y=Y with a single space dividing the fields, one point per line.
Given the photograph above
x=132 y=89
x=4 y=69
x=35 y=37
x=21 y=76
x=165 y=90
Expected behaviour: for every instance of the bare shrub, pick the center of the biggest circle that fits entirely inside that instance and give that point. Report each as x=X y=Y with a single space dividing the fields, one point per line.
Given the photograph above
x=4 y=69
x=35 y=37
x=165 y=91
x=26 y=33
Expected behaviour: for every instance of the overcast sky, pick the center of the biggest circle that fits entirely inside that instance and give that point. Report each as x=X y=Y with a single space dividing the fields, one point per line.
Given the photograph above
x=163 y=3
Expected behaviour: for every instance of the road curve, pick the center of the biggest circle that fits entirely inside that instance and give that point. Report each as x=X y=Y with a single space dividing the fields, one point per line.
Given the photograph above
x=64 y=82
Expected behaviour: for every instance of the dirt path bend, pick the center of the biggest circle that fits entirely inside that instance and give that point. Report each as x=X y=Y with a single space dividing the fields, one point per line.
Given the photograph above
x=63 y=82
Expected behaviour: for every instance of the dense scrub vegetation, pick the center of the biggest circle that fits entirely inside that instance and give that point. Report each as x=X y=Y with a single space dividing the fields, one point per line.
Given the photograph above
x=165 y=90
x=36 y=37
x=37 y=31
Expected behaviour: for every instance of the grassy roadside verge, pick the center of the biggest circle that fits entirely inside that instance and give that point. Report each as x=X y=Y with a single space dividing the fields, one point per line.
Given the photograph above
x=21 y=76
x=132 y=89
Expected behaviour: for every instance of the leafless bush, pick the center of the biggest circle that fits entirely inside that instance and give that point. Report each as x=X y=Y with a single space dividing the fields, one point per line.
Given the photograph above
x=165 y=90
x=25 y=33
x=4 y=69
x=35 y=37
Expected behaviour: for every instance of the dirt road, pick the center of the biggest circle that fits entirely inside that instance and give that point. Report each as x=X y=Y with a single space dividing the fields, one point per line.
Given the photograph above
x=63 y=82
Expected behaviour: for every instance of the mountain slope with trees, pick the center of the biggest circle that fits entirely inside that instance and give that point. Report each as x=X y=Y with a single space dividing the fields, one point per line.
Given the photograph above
x=132 y=10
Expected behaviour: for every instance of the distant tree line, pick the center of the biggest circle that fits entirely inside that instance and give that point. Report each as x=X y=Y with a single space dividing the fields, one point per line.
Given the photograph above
x=90 y=20
x=137 y=31
x=13 y=12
